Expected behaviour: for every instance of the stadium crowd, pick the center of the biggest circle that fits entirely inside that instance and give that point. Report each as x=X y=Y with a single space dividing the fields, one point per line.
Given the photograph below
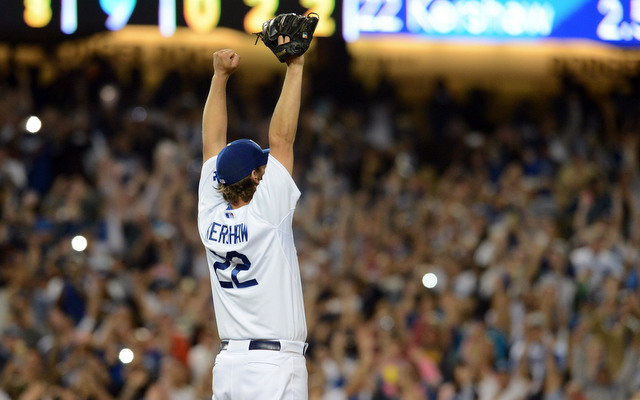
x=530 y=224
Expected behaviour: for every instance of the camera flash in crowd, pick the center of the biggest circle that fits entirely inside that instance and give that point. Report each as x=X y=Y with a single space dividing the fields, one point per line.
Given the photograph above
x=138 y=114
x=109 y=95
x=79 y=243
x=429 y=280
x=33 y=124
x=125 y=356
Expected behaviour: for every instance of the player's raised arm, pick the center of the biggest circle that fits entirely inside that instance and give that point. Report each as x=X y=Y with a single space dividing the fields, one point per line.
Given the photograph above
x=288 y=36
x=214 y=117
x=284 y=122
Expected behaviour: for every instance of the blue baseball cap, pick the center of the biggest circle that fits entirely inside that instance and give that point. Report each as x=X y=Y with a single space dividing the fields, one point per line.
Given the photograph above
x=238 y=159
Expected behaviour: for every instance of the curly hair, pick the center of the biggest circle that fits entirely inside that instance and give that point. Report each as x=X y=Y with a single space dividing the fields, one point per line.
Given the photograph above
x=242 y=190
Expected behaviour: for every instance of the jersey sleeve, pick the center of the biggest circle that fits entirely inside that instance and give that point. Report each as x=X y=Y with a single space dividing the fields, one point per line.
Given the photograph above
x=276 y=195
x=208 y=194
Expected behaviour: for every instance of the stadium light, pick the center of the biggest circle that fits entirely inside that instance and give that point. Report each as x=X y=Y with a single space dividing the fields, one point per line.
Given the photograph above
x=33 y=124
x=125 y=356
x=79 y=243
x=429 y=280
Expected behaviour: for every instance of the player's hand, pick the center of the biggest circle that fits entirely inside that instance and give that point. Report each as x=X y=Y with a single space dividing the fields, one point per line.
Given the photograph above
x=299 y=60
x=225 y=62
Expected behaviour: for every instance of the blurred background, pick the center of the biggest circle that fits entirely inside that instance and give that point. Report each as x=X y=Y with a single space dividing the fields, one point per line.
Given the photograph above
x=469 y=225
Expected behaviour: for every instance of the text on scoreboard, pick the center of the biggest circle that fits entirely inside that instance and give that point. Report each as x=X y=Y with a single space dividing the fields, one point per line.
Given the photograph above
x=611 y=21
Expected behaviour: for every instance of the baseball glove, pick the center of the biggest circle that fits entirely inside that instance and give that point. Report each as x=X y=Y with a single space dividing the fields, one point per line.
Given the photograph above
x=299 y=28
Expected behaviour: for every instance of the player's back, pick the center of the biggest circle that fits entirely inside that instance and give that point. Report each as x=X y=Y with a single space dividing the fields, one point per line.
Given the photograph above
x=255 y=276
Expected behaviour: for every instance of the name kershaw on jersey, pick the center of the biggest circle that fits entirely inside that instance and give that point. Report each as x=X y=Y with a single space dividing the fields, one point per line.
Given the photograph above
x=227 y=234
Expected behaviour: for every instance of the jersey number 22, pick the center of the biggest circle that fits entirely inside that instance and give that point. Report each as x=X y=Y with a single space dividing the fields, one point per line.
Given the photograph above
x=241 y=263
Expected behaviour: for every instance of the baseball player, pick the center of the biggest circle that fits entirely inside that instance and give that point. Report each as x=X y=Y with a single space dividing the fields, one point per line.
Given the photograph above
x=247 y=198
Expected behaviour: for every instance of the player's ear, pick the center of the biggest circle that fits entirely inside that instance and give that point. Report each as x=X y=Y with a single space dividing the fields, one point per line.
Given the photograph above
x=257 y=174
x=255 y=177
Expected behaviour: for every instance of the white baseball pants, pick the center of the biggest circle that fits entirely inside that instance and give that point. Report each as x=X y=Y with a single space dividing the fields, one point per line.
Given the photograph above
x=243 y=374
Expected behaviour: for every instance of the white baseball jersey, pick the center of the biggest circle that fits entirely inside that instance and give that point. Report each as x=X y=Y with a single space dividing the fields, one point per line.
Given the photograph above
x=255 y=276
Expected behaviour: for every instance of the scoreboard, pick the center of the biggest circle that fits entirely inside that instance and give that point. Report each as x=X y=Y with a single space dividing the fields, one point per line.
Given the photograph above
x=614 y=22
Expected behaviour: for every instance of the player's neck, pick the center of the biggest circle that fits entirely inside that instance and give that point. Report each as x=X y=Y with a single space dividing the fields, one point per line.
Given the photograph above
x=240 y=203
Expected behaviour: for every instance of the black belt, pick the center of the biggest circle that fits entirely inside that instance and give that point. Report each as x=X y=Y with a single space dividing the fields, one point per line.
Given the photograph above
x=256 y=344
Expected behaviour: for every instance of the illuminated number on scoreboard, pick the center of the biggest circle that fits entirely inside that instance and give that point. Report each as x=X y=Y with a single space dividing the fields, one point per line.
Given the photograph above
x=167 y=17
x=118 y=11
x=69 y=16
x=324 y=9
x=261 y=10
x=635 y=18
x=608 y=28
x=37 y=13
x=612 y=27
x=202 y=15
